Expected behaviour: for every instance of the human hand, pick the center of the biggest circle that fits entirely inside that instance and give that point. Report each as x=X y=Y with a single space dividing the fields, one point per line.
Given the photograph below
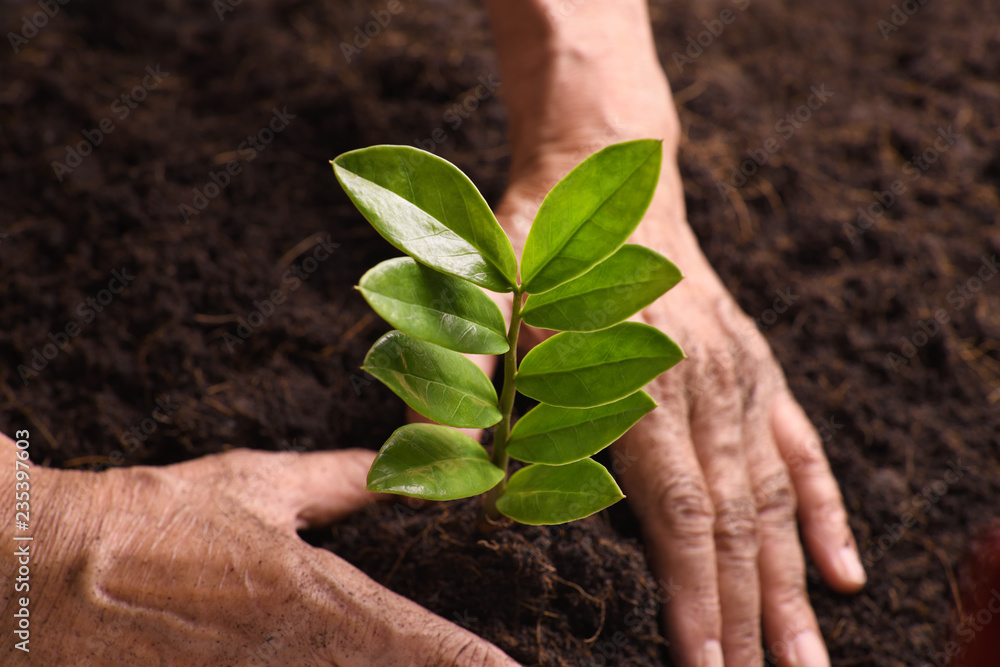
x=714 y=473
x=199 y=564
x=718 y=472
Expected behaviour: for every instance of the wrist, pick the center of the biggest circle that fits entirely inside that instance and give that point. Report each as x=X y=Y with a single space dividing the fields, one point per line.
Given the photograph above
x=579 y=76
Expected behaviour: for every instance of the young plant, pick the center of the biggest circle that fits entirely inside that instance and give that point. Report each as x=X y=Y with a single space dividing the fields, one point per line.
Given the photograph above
x=577 y=276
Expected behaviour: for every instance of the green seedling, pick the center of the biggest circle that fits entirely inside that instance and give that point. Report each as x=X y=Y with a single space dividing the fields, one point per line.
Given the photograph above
x=577 y=276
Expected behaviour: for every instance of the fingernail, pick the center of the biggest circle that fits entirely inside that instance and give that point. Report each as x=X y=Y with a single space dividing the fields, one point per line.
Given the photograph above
x=851 y=567
x=711 y=654
x=808 y=651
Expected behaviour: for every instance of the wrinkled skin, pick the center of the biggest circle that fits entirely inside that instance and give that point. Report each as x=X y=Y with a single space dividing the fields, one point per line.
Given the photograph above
x=719 y=471
x=200 y=564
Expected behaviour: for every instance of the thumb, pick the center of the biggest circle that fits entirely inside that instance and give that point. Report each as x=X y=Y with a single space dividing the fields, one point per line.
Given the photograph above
x=289 y=491
x=319 y=488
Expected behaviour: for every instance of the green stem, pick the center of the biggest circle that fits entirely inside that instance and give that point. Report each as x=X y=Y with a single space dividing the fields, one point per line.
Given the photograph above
x=502 y=433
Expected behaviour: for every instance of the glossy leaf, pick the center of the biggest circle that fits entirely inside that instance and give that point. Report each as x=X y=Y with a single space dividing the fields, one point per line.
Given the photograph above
x=430 y=210
x=557 y=436
x=433 y=462
x=590 y=213
x=545 y=495
x=438 y=383
x=579 y=370
x=611 y=292
x=435 y=307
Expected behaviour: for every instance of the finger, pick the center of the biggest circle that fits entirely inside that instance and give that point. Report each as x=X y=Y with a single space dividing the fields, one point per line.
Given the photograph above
x=323 y=487
x=290 y=491
x=791 y=631
x=717 y=431
x=821 y=507
x=668 y=492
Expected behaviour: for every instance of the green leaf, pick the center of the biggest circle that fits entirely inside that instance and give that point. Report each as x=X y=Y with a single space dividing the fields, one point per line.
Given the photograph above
x=546 y=495
x=581 y=370
x=590 y=213
x=438 y=383
x=556 y=436
x=430 y=210
x=611 y=292
x=433 y=462
x=435 y=307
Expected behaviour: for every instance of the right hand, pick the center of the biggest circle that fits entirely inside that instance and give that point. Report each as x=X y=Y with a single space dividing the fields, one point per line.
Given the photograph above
x=199 y=564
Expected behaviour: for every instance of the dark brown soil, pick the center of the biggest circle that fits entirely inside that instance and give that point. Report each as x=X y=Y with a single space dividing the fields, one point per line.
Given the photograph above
x=895 y=425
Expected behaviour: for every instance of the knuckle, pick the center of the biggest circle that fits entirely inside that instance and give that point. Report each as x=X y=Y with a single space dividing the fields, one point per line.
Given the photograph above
x=718 y=365
x=708 y=605
x=749 y=350
x=713 y=382
x=808 y=460
x=743 y=636
x=684 y=504
x=792 y=594
x=775 y=499
x=829 y=511
x=736 y=529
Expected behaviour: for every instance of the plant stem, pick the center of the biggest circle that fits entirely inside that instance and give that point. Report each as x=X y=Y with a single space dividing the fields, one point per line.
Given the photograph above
x=502 y=433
